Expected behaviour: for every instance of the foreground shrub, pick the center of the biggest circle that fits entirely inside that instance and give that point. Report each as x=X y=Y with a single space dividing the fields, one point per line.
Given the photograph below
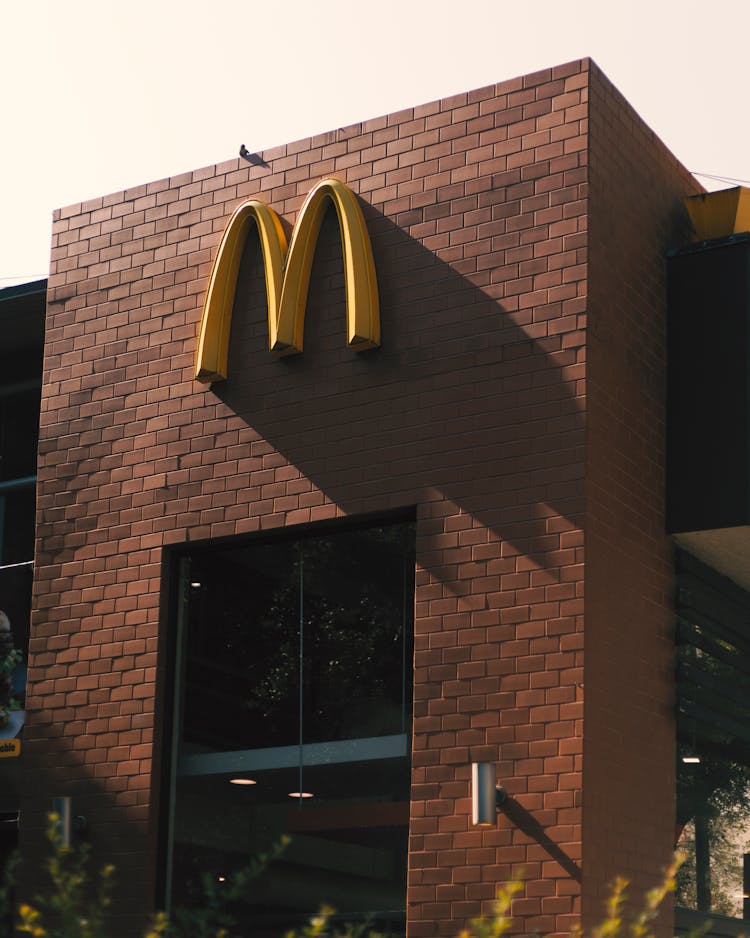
x=72 y=909
x=78 y=908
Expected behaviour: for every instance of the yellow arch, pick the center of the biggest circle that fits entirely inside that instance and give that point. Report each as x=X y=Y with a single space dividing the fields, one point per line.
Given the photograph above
x=287 y=282
x=216 y=322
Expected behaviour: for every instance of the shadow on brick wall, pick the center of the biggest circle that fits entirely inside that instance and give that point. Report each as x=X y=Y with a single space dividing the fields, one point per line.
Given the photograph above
x=465 y=402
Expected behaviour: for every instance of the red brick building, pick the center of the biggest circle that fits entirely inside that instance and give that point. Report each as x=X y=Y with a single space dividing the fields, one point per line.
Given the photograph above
x=483 y=493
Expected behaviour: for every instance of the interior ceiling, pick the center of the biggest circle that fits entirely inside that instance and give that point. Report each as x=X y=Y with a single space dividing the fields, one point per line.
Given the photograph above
x=727 y=550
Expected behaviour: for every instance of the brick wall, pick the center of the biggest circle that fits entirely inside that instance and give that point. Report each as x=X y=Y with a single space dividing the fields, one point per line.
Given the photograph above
x=636 y=213
x=473 y=411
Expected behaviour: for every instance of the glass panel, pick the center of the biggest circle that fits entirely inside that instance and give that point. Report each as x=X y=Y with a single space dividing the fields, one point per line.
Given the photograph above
x=15 y=603
x=354 y=634
x=19 y=430
x=15 y=606
x=713 y=821
x=242 y=661
x=713 y=731
x=336 y=609
x=17 y=512
x=347 y=848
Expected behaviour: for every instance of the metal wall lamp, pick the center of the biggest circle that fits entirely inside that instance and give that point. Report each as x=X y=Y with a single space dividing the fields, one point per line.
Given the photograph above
x=68 y=824
x=486 y=795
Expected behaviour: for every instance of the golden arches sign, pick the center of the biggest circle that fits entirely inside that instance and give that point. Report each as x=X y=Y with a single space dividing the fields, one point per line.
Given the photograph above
x=288 y=277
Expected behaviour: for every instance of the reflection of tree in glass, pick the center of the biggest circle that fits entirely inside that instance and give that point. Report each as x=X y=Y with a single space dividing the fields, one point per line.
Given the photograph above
x=245 y=636
x=713 y=796
x=354 y=642
x=279 y=680
x=728 y=840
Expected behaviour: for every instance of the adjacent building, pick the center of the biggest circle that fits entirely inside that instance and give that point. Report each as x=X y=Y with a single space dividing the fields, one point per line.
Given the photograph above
x=22 y=313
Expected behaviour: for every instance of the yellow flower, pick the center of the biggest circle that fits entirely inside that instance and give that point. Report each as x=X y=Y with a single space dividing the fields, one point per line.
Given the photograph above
x=29 y=921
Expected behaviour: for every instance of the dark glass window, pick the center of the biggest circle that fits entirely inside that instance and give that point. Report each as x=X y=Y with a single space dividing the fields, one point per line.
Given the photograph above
x=713 y=745
x=17 y=513
x=15 y=604
x=19 y=435
x=19 y=432
x=295 y=679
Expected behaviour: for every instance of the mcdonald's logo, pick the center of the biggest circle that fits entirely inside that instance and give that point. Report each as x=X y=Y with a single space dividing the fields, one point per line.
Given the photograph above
x=287 y=274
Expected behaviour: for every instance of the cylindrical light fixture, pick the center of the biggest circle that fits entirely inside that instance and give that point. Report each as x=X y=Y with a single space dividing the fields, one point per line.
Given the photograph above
x=483 y=794
x=62 y=806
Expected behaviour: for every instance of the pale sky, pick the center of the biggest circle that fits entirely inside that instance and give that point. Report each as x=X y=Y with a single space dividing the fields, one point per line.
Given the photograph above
x=99 y=95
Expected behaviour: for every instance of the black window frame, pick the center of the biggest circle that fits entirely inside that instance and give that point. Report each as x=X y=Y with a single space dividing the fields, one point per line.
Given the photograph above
x=170 y=696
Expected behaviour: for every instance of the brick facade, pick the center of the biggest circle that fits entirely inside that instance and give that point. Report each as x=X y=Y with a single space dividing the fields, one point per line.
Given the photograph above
x=498 y=219
x=636 y=213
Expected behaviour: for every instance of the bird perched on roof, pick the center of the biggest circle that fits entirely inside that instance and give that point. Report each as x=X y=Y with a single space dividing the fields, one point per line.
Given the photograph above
x=254 y=158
